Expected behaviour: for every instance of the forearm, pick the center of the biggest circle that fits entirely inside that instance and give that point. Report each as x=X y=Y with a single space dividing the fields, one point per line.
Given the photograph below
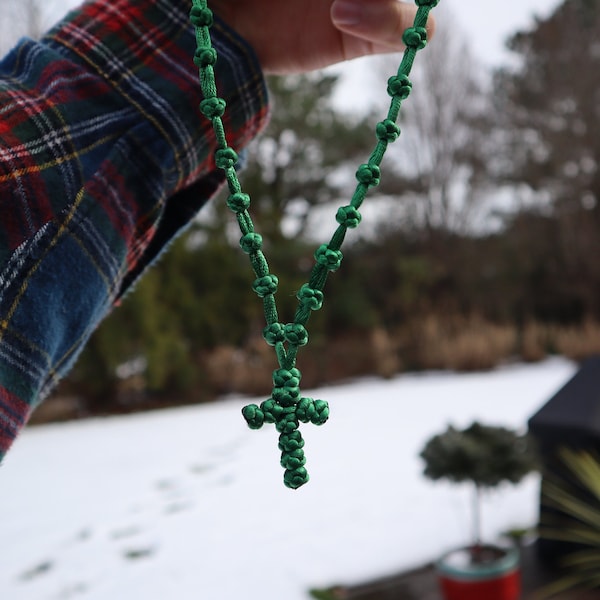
x=104 y=157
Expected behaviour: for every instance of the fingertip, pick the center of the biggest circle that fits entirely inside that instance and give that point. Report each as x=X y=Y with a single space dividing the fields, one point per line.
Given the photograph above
x=381 y=22
x=346 y=13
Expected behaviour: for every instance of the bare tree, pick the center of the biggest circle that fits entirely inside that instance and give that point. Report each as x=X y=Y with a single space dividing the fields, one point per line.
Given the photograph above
x=444 y=140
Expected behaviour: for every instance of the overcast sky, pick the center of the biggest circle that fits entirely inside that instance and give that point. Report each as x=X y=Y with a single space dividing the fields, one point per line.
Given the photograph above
x=487 y=24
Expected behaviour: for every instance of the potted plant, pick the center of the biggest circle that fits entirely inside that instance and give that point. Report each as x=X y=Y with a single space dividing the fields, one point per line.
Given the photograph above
x=484 y=456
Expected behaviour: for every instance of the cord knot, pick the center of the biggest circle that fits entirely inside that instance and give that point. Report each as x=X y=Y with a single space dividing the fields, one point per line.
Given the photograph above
x=285 y=397
x=348 y=216
x=282 y=377
x=272 y=410
x=286 y=388
x=295 y=478
x=226 y=158
x=287 y=421
x=309 y=297
x=368 y=175
x=274 y=334
x=387 y=131
x=205 y=56
x=429 y=3
x=238 y=202
x=399 y=86
x=213 y=107
x=254 y=416
x=201 y=16
x=290 y=442
x=312 y=411
x=293 y=460
x=251 y=243
x=415 y=38
x=264 y=286
x=330 y=259
x=296 y=334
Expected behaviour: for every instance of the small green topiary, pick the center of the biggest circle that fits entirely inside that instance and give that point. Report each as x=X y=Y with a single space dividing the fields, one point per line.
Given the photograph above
x=483 y=455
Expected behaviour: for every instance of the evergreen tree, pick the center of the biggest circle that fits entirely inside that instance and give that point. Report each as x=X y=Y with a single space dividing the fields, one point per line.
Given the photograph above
x=551 y=104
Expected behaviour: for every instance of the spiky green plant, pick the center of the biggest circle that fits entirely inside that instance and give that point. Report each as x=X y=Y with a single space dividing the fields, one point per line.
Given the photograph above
x=579 y=505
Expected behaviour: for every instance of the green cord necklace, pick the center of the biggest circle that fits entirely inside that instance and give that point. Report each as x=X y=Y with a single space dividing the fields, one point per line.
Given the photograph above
x=286 y=408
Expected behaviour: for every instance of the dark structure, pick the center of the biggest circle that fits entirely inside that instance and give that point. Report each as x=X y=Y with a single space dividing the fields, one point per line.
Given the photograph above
x=571 y=418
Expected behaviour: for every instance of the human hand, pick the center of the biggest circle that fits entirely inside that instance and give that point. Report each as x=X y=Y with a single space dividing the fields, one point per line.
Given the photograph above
x=291 y=36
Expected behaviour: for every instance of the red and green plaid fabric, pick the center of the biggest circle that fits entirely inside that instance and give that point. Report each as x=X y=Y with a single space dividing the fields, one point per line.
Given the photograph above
x=104 y=158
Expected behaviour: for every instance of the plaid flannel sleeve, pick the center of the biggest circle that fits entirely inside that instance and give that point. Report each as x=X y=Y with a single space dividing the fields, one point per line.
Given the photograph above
x=104 y=158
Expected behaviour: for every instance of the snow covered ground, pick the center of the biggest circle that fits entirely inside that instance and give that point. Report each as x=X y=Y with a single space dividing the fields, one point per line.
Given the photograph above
x=189 y=503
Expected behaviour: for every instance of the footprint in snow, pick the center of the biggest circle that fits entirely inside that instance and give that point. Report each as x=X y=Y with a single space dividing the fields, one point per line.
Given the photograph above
x=37 y=571
x=125 y=532
x=135 y=554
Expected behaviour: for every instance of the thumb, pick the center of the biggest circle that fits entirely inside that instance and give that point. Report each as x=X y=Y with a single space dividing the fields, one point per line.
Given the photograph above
x=381 y=23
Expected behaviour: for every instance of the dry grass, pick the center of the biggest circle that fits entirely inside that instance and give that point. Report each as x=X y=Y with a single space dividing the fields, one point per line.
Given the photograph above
x=460 y=344
x=249 y=369
x=578 y=343
x=453 y=343
x=245 y=370
x=535 y=342
x=574 y=342
x=449 y=343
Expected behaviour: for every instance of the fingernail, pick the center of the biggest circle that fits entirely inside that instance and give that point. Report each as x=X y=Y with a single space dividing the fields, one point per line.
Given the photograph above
x=347 y=12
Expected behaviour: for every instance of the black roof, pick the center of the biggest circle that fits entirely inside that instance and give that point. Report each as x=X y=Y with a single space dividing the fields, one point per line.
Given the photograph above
x=576 y=406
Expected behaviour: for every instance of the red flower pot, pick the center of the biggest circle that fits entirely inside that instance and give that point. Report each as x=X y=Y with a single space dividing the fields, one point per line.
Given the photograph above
x=496 y=576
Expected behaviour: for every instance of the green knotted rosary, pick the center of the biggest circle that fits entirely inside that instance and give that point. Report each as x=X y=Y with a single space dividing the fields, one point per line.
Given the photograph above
x=286 y=408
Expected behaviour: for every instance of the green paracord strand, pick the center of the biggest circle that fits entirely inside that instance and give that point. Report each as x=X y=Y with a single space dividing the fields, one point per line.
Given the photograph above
x=286 y=408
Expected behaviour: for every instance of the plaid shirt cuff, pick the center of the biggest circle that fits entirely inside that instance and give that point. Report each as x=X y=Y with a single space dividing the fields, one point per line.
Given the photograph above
x=104 y=158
